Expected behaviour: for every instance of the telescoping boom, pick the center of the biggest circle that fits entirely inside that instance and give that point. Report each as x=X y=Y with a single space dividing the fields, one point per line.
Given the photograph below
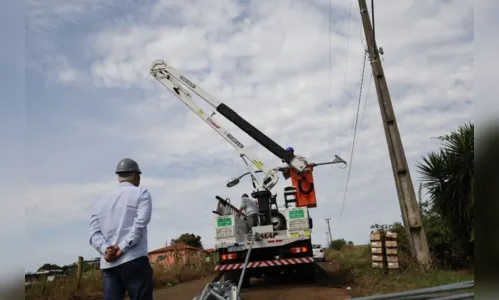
x=179 y=86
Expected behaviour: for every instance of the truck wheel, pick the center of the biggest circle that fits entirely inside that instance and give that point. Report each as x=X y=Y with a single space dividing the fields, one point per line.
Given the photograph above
x=233 y=276
x=278 y=221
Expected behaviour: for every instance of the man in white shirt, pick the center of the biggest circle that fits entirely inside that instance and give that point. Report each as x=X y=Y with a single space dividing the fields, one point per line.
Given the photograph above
x=250 y=209
x=118 y=231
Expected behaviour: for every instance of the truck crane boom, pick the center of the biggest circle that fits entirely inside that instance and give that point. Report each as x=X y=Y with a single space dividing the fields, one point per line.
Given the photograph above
x=172 y=79
x=280 y=241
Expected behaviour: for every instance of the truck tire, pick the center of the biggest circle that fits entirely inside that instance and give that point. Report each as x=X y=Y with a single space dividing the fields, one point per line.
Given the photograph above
x=233 y=276
x=278 y=221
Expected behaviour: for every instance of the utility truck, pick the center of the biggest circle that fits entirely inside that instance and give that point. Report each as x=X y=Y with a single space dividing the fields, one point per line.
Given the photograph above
x=281 y=242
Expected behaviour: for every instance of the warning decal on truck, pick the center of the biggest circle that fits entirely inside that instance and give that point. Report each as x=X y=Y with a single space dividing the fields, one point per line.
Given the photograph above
x=297 y=234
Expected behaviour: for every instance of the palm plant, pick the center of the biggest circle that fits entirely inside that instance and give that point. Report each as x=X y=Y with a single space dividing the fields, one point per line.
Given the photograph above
x=448 y=176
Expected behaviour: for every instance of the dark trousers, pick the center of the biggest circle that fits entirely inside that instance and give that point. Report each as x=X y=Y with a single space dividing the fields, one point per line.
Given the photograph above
x=252 y=220
x=134 y=277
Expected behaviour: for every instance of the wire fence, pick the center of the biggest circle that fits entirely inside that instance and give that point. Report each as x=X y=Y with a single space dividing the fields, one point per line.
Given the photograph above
x=454 y=291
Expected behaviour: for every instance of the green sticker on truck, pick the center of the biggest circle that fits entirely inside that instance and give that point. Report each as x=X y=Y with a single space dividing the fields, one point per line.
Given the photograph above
x=296 y=214
x=223 y=222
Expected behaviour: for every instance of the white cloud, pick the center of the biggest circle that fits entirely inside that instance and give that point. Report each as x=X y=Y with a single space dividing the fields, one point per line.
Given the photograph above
x=272 y=67
x=51 y=14
x=65 y=73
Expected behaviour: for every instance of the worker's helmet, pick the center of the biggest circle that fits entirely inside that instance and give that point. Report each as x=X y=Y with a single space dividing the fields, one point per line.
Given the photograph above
x=290 y=149
x=127 y=165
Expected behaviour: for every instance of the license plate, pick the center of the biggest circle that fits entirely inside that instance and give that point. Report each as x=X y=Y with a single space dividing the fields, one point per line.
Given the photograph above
x=235 y=248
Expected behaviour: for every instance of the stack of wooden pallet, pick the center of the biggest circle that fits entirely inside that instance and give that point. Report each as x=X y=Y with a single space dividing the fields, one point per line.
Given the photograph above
x=392 y=258
x=384 y=249
x=377 y=249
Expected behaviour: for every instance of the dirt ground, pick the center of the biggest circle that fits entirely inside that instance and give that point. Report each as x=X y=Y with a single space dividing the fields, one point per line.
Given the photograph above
x=330 y=286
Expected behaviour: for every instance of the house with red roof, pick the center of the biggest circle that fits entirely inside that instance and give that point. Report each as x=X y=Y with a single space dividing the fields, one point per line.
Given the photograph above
x=178 y=254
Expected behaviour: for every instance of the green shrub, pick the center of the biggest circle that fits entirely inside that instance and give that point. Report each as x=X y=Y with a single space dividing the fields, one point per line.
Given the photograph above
x=337 y=244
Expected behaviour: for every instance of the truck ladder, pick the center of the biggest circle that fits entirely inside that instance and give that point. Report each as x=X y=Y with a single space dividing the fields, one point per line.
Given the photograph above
x=224 y=208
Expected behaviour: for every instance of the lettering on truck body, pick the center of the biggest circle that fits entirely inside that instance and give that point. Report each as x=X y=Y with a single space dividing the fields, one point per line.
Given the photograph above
x=213 y=123
x=235 y=140
x=268 y=235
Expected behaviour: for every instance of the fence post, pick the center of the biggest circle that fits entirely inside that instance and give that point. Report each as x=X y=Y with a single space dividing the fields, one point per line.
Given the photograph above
x=79 y=272
x=44 y=283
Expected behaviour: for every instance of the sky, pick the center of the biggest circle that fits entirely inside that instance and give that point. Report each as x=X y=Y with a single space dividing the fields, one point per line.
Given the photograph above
x=291 y=68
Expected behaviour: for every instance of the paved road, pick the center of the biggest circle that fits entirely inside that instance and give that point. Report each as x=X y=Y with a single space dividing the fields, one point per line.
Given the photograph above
x=329 y=288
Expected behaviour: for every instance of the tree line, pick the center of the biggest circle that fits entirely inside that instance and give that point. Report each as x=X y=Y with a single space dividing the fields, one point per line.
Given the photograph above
x=189 y=239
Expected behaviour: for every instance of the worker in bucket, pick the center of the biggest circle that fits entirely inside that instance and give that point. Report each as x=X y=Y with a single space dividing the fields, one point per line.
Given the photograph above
x=118 y=231
x=286 y=172
x=250 y=209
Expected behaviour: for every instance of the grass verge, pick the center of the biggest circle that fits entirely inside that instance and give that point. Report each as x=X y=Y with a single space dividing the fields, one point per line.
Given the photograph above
x=355 y=264
x=91 y=287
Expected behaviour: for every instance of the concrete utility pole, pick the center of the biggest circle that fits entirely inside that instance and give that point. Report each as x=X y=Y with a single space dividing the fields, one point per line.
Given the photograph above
x=405 y=189
x=329 y=229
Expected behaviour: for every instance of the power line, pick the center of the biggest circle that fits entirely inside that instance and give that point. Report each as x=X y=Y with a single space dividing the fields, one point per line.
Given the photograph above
x=346 y=66
x=364 y=108
x=371 y=77
x=330 y=75
x=353 y=140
